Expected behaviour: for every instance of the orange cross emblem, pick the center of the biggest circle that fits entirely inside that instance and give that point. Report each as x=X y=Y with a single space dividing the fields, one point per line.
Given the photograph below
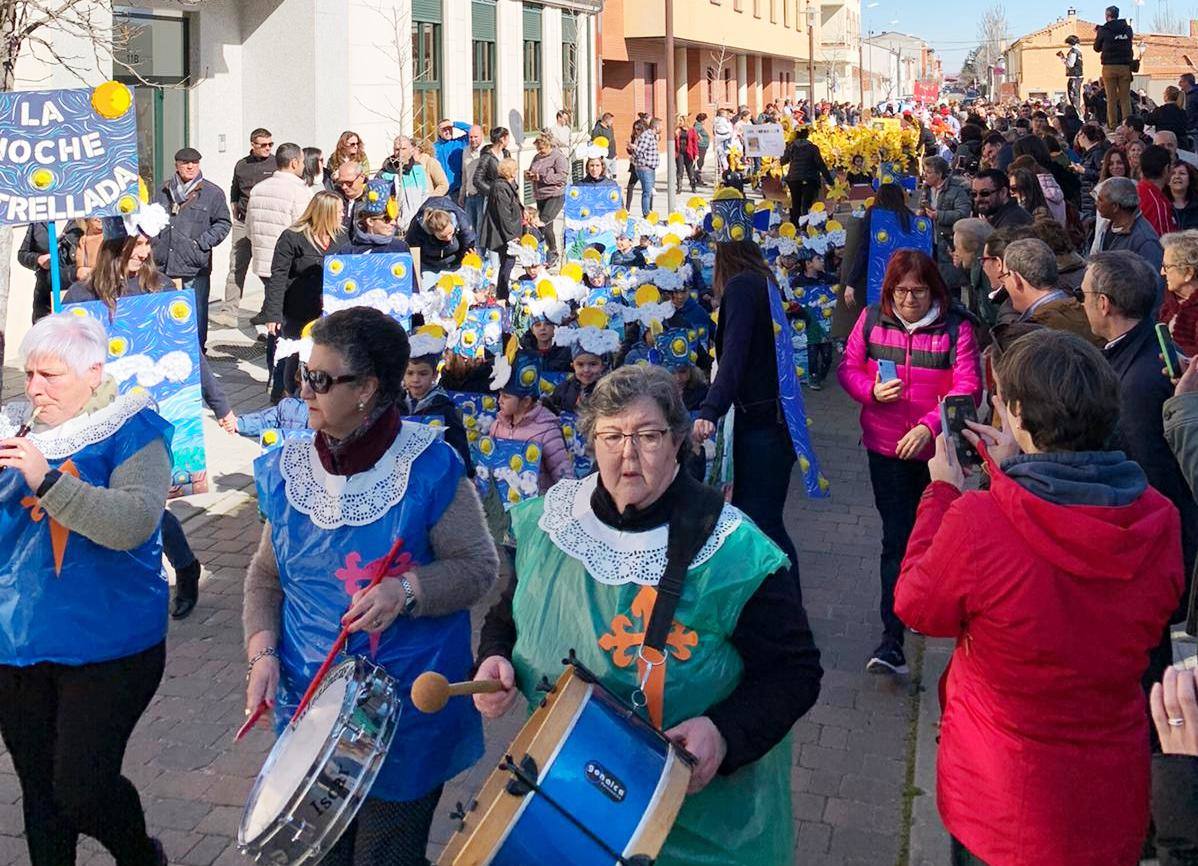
x=58 y=532
x=623 y=641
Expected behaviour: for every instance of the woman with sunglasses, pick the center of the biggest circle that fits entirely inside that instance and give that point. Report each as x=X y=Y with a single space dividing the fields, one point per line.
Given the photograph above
x=742 y=664
x=349 y=148
x=929 y=342
x=334 y=505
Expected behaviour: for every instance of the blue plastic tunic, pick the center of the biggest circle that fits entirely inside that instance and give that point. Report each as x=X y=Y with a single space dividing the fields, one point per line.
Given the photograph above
x=102 y=604
x=328 y=533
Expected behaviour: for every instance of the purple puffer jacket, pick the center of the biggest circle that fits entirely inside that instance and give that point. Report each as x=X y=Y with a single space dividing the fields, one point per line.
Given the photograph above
x=925 y=364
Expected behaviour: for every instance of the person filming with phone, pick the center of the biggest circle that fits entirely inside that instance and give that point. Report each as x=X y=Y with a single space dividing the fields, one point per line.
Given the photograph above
x=903 y=356
x=1057 y=583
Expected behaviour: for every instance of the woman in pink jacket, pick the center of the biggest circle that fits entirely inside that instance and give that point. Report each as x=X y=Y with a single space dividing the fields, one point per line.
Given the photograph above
x=931 y=344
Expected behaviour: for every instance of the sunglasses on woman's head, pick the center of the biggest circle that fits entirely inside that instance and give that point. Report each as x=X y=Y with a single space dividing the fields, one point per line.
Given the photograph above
x=320 y=381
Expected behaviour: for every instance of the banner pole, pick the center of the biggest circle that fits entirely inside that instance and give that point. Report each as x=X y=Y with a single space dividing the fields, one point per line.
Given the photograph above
x=55 y=276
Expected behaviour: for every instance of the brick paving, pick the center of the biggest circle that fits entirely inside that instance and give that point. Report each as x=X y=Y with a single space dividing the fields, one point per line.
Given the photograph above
x=849 y=764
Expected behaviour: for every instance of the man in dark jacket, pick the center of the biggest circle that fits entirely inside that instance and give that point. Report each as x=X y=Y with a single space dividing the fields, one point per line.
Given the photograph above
x=442 y=233
x=806 y=168
x=946 y=200
x=1113 y=40
x=34 y=253
x=199 y=221
x=1120 y=291
x=994 y=203
x=1190 y=90
x=256 y=166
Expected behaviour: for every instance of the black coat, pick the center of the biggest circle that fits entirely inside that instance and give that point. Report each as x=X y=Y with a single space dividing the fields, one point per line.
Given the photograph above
x=502 y=217
x=438 y=404
x=36 y=244
x=1175 y=807
x=1187 y=217
x=184 y=248
x=248 y=171
x=805 y=162
x=1172 y=118
x=486 y=173
x=1113 y=40
x=296 y=282
x=438 y=255
x=1143 y=390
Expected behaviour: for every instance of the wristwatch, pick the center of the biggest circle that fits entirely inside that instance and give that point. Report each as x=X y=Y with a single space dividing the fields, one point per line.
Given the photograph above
x=409 y=595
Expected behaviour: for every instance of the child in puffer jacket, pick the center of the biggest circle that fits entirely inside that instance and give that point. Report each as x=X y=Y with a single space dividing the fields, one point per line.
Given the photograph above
x=523 y=418
x=291 y=413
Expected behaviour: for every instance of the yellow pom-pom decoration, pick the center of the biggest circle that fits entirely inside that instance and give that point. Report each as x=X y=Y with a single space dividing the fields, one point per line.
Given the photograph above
x=621 y=216
x=546 y=289
x=601 y=141
x=833 y=226
x=786 y=230
x=671 y=240
x=818 y=207
x=647 y=294
x=727 y=192
x=592 y=255
x=592 y=317
x=676 y=218
x=270 y=437
x=393 y=209
x=652 y=217
x=111 y=100
x=473 y=260
x=572 y=271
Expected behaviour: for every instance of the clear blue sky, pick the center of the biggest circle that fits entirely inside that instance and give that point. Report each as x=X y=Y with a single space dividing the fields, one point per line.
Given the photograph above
x=952 y=28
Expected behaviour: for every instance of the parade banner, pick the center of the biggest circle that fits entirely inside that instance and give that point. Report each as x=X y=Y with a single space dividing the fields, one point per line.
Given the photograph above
x=481 y=332
x=153 y=346
x=379 y=280
x=576 y=444
x=886 y=236
x=67 y=154
x=764 y=139
x=511 y=465
x=892 y=172
x=479 y=412
x=590 y=211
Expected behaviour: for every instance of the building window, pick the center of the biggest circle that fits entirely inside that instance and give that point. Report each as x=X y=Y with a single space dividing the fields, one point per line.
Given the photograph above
x=737 y=5
x=426 y=79
x=785 y=13
x=570 y=67
x=532 y=68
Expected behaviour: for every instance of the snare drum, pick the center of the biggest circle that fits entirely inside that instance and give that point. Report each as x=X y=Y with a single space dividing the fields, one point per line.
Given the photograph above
x=321 y=768
x=586 y=782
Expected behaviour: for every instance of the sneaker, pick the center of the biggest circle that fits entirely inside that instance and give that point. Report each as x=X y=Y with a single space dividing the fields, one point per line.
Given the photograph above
x=817 y=386
x=888 y=658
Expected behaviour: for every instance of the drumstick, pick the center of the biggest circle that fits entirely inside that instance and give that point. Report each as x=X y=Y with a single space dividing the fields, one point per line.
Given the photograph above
x=24 y=429
x=339 y=644
x=251 y=721
x=431 y=691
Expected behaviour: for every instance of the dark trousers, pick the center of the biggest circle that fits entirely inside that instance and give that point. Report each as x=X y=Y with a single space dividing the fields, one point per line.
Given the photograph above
x=174 y=542
x=898 y=485
x=201 y=285
x=66 y=728
x=702 y=158
x=762 y=458
x=395 y=834
x=685 y=165
x=632 y=179
x=803 y=194
x=547 y=210
x=506 y=263
x=819 y=360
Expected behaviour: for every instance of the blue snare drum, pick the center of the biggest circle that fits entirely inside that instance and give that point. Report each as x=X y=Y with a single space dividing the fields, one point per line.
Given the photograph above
x=586 y=782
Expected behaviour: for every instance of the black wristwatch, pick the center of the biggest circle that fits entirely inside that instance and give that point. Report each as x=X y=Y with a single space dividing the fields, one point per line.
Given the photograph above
x=52 y=476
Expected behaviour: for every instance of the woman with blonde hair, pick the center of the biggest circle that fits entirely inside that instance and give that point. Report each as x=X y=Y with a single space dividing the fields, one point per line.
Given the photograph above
x=350 y=147
x=293 y=290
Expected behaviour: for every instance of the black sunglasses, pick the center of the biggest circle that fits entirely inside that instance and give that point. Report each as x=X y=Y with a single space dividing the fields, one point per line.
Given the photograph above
x=320 y=381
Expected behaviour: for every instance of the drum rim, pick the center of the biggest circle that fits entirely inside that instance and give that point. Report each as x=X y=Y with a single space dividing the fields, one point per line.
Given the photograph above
x=361 y=671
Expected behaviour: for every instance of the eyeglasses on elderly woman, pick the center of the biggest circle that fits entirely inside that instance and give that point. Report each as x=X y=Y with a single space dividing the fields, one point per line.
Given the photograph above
x=320 y=381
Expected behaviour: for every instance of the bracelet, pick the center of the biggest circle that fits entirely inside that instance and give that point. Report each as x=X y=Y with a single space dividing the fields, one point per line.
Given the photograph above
x=261 y=654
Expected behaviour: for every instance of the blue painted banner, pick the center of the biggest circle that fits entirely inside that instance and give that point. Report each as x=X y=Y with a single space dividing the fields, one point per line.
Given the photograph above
x=479 y=412
x=153 y=346
x=379 y=280
x=512 y=465
x=576 y=444
x=892 y=172
x=886 y=235
x=590 y=217
x=551 y=380
x=67 y=154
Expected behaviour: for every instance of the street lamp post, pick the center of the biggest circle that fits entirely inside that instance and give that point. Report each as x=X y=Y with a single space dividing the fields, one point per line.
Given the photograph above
x=811 y=56
x=671 y=109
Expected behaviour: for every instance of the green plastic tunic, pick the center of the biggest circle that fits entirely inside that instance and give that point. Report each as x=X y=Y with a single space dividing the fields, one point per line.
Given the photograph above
x=587 y=587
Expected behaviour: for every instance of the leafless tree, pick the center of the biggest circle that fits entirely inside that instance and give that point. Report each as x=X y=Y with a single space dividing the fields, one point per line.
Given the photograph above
x=715 y=74
x=41 y=28
x=1165 y=20
x=993 y=36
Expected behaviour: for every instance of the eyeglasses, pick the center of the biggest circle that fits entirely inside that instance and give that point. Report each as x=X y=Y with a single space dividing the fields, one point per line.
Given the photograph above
x=982 y=193
x=918 y=294
x=263 y=144
x=1176 y=265
x=646 y=441
x=351 y=144
x=347 y=183
x=320 y=381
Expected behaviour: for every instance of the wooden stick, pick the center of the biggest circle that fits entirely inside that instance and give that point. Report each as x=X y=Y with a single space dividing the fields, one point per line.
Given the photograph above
x=339 y=644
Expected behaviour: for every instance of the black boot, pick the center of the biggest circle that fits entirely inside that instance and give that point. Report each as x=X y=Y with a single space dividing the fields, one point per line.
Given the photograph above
x=187 y=590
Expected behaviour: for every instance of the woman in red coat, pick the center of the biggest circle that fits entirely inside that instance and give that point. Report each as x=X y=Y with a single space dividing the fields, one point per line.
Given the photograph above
x=686 y=151
x=1056 y=583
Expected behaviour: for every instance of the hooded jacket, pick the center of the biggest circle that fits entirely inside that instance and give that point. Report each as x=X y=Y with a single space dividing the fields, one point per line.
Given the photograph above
x=1113 y=40
x=437 y=255
x=1043 y=752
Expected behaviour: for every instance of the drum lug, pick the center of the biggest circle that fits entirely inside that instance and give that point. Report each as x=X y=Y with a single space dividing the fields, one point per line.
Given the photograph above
x=460 y=812
x=524 y=775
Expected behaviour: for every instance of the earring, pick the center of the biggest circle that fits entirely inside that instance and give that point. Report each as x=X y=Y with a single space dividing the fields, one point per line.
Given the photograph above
x=361 y=405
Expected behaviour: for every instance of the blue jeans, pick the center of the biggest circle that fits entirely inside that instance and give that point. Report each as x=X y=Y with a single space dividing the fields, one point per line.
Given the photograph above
x=201 y=284
x=474 y=210
x=174 y=542
x=647 y=178
x=762 y=458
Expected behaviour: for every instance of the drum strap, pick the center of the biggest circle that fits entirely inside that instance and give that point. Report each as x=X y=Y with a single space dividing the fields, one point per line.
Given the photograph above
x=691 y=524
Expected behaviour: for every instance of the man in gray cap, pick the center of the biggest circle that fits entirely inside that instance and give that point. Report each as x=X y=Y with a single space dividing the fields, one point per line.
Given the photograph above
x=199 y=221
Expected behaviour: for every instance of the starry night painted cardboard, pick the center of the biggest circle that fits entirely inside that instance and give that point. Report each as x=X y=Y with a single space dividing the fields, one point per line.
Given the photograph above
x=379 y=280
x=478 y=412
x=576 y=444
x=512 y=465
x=591 y=217
x=67 y=154
x=153 y=346
x=886 y=236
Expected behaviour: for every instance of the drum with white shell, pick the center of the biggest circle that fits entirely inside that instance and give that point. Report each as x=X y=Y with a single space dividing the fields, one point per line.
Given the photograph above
x=321 y=768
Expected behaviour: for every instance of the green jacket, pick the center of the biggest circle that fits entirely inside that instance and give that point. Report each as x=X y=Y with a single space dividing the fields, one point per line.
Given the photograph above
x=1181 y=430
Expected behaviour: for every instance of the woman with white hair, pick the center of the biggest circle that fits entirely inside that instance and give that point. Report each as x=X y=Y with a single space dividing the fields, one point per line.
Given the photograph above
x=83 y=481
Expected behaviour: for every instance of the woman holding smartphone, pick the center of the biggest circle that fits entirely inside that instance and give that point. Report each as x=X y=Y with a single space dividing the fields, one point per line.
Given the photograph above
x=903 y=356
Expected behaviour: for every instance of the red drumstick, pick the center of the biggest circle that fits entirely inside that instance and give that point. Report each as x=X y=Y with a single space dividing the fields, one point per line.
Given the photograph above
x=339 y=644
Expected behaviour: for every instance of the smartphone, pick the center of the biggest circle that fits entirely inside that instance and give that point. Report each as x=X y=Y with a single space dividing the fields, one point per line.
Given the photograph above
x=1168 y=350
x=887 y=370
x=955 y=410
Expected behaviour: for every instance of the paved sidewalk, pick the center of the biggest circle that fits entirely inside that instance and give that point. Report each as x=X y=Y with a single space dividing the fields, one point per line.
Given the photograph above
x=850 y=750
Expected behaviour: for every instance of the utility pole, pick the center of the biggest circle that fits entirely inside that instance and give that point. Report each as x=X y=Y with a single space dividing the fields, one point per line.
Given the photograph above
x=811 y=55
x=860 y=71
x=671 y=109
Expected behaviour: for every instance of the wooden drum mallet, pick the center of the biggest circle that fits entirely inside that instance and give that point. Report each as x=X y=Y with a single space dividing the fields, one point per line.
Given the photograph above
x=431 y=691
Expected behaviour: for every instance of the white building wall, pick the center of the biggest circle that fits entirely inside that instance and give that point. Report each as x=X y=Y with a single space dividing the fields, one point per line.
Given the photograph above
x=457 y=65
x=509 y=72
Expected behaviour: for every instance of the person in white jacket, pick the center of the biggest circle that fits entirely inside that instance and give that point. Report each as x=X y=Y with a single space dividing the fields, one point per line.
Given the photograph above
x=275 y=205
x=722 y=134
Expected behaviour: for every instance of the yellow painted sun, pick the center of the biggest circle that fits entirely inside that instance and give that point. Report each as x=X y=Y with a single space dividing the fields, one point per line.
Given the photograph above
x=516 y=462
x=349 y=286
x=486 y=445
x=335 y=266
x=42 y=179
x=532 y=453
x=117 y=347
x=180 y=311
x=398 y=270
x=126 y=204
x=111 y=100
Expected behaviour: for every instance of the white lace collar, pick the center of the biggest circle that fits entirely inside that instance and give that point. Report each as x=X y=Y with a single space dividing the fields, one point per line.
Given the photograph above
x=75 y=434
x=609 y=555
x=331 y=501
